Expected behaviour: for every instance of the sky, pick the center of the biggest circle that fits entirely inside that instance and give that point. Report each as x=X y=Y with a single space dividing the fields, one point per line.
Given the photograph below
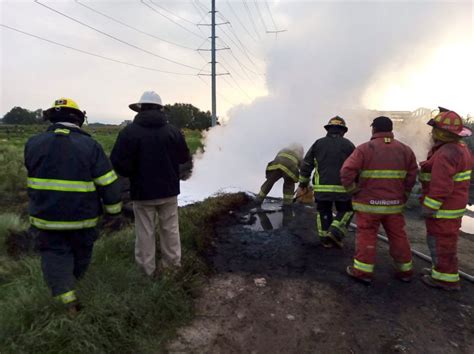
x=413 y=65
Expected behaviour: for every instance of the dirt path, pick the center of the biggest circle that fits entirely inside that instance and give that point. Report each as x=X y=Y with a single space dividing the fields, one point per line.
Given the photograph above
x=308 y=304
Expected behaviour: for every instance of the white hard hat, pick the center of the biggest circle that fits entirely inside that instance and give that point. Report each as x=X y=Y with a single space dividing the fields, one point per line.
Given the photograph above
x=150 y=97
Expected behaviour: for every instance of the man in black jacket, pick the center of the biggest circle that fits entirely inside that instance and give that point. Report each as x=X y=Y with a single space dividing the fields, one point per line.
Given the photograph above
x=326 y=158
x=70 y=183
x=149 y=152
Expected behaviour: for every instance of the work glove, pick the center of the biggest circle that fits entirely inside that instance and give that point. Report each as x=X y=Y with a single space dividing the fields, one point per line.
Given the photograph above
x=427 y=212
x=301 y=190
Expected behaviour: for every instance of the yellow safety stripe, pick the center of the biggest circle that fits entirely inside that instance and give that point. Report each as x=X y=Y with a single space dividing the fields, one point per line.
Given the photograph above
x=388 y=174
x=404 y=267
x=67 y=298
x=288 y=196
x=341 y=225
x=105 y=180
x=365 y=267
x=284 y=169
x=62 y=131
x=113 y=208
x=449 y=214
x=304 y=179
x=319 y=225
x=462 y=176
x=351 y=188
x=60 y=185
x=425 y=176
x=432 y=203
x=329 y=188
x=289 y=156
x=63 y=225
x=458 y=177
x=378 y=209
x=262 y=194
x=452 y=278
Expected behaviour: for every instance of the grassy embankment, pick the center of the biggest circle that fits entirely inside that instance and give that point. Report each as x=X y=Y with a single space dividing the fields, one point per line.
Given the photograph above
x=124 y=311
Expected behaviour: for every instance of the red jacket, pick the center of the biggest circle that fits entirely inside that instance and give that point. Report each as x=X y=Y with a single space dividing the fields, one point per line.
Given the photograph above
x=383 y=171
x=445 y=178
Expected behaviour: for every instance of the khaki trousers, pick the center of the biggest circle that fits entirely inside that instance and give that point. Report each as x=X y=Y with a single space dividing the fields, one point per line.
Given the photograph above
x=145 y=222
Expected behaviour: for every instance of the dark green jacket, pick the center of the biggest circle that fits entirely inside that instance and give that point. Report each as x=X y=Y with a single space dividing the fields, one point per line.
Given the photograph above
x=326 y=158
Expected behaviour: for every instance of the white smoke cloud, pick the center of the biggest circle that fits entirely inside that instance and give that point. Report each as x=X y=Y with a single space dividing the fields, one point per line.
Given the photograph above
x=322 y=67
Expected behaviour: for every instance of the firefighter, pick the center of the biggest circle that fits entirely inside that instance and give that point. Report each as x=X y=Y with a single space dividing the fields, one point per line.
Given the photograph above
x=381 y=174
x=285 y=165
x=326 y=157
x=70 y=183
x=445 y=178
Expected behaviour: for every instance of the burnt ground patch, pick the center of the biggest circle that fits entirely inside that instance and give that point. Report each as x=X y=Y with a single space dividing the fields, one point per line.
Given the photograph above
x=309 y=303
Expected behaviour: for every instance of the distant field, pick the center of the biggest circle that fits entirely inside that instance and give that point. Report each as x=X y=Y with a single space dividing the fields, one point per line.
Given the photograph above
x=12 y=142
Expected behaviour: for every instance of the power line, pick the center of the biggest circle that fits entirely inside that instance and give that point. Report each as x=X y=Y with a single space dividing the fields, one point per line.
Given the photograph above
x=115 y=38
x=242 y=47
x=271 y=15
x=170 y=19
x=168 y=11
x=131 y=27
x=260 y=15
x=94 y=54
x=251 y=19
x=238 y=20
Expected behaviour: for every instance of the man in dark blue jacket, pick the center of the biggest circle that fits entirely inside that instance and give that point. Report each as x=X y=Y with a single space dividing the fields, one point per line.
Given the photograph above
x=149 y=152
x=70 y=183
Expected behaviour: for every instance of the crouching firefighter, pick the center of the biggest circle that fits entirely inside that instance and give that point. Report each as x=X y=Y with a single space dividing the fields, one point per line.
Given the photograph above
x=381 y=174
x=70 y=183
x=445 y=177
x=285 y=165
x=326 y=157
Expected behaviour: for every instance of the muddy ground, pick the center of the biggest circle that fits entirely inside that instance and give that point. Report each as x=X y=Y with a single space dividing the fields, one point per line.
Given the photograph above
x=276 y=290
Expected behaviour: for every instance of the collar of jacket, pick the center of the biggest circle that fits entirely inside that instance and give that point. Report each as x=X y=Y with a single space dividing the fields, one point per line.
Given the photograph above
x=152 y=118
x=382 y=135
x=334 y=135
x=55 y=126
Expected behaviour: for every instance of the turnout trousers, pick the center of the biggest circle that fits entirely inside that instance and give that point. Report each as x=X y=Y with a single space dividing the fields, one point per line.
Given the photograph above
x=146 y=212
x=325 y=222
x=65 y=257
x=272 y=178
x=442 y=239
x=366 y=241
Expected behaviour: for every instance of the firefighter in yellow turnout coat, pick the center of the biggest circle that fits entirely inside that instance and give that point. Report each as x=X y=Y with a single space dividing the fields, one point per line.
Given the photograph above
x=285 y=165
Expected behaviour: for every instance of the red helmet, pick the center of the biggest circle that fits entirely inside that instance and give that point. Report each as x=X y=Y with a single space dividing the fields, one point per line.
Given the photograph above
x=451 y=122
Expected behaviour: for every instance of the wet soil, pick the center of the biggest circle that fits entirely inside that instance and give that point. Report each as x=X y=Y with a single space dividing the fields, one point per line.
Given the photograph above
x=276 y=290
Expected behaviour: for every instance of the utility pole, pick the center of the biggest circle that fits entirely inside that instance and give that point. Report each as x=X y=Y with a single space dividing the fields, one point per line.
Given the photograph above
x=213 y=63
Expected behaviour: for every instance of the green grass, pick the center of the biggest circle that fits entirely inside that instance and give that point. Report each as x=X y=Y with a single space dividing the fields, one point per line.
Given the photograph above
x=124 y=311
x=12 y=170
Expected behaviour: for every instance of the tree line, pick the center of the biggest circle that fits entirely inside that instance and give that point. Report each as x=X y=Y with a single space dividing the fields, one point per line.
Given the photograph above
x=181 y=115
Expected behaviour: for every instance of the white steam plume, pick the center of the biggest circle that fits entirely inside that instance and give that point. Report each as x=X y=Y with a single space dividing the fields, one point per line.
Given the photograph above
x=320 y=68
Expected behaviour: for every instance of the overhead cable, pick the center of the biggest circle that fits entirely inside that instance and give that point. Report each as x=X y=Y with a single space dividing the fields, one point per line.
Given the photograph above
x=251 y=19
x=115 y=38
x=238 y=20
x=94 y=54
x=172 y=13
x=170 y=19
x=131 y=27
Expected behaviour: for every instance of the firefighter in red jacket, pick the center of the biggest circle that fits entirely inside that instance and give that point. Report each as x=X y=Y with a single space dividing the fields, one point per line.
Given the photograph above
x=445 y=177
x=380 y=174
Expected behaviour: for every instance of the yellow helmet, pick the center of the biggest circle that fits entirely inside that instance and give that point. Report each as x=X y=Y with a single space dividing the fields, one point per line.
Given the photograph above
x=63 y=102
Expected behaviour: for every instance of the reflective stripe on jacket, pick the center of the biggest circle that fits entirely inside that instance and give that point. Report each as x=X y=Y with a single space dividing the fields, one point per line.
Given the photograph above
x=384 y=171
x=286 y=161
x=326 y=157
x=445 y=178
x=70 y=180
